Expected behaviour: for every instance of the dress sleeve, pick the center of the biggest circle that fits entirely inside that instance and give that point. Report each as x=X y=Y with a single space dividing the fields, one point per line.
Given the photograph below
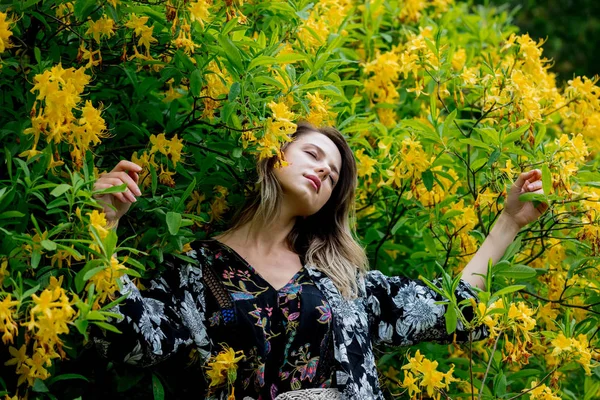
x=403 y=312
x=158 y=321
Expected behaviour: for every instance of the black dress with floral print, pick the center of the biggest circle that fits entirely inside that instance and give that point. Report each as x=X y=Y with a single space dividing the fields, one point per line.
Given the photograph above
x=304 y=335
x=285 y=334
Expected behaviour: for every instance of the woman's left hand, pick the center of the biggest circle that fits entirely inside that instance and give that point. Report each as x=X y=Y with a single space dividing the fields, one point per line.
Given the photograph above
x=522 y=213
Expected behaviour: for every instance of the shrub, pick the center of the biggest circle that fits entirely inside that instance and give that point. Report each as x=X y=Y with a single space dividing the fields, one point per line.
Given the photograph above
x=444 y=105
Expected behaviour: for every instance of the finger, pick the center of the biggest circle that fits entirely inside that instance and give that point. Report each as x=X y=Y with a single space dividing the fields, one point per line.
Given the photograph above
x=125 y=178
x=118 y=196
x=125 y=165
x=533 y=186
x=126 y=195
x=529 y=175
x=135 y=176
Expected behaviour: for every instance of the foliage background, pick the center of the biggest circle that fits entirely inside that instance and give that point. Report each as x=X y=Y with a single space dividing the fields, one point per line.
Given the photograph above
x=441 y=102
x=570 y=29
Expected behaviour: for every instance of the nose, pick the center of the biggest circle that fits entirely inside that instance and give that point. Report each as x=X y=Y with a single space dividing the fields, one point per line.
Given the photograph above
x=324 y=171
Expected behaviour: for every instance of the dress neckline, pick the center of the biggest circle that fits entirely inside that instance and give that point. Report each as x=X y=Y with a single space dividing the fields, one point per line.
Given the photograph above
x=291 y=281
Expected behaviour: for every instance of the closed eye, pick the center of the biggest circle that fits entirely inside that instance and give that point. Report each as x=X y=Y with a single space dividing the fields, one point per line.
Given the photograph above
x=312 y=154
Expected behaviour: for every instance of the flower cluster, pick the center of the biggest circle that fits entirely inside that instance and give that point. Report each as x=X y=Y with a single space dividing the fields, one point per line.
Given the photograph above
x=59 y=93
x=573 y=349
x=49 y=317
x=278 y=130
x=420 y=372
x=222 y=368
x=5 y=32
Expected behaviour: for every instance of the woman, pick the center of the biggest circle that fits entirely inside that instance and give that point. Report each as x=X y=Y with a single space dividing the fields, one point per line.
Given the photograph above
x=286 y=290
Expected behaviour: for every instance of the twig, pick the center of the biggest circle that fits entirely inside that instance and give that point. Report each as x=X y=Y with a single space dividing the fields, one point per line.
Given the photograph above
x=488 y=367
x=535 y=387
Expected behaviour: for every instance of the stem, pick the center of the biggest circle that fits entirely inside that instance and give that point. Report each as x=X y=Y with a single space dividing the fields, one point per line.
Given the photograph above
x=488 y=367
x=535 y=387
x=471 y=364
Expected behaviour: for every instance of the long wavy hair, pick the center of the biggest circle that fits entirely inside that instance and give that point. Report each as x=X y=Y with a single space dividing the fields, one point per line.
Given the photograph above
x=325 y=240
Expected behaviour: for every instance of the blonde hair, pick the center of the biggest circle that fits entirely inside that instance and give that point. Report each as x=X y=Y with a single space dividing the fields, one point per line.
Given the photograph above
x=326 y=239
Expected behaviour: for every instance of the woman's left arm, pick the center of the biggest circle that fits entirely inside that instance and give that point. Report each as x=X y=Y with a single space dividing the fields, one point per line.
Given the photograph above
x=516 y=215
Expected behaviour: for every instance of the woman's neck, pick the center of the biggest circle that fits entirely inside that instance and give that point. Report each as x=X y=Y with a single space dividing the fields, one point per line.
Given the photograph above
x=263 y=238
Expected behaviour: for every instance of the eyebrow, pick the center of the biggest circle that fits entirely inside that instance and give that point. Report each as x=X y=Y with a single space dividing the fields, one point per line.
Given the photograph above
x=320 y=150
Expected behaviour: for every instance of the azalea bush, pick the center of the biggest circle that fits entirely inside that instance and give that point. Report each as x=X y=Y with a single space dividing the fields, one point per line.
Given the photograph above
x=444 y=105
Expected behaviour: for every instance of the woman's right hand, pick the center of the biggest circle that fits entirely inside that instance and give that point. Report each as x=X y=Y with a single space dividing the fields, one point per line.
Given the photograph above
x=124 y=172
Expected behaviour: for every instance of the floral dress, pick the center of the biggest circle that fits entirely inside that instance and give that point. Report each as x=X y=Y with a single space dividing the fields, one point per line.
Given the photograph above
x=304 y=335
x=285 y=335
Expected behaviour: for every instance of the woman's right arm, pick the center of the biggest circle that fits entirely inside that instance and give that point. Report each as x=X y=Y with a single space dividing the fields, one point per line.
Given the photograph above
x=169 y=314
x=156 y=322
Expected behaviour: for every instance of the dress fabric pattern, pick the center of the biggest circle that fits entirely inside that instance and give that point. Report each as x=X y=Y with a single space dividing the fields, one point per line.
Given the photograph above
x=302 y=336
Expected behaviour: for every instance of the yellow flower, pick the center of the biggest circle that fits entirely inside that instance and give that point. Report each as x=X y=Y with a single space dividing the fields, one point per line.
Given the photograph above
x=105 y=281
x=365 y=163
x=3 y=270
x=5 y=33
x=459 y=58
x=19 y=356
x=319 y=110
x=98 y=222
x=7 y=323
x=541 y=392
x=508 y=169
x=223 y=367
x=195 y=203
x=104 y=26
x=199 y=11
x=410 y=383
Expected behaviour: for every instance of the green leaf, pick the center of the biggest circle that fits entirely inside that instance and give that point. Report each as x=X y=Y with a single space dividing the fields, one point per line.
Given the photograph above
x=106 y=326
x=546 y=179
x=60 y=189
x=196 y=83
x=476 y=143
x=491 y=133
x=89 y=274
x=79 y=278
x=429 y=243
x=234 y=91
x=36 y=257
x=517 y=271
x=30 y=292
x=428 y=179
x=39 y=386
x=185 y=195
x=11 y=214
x=157 y=388
x=448 y=123
x=451 y=319
x=65 y=377
x=261 y=60
x=493 y=157
x=37 y=54
x=539 y=136
x=231 y=52
x=173 y=222
x=96 y=315
x=509 y=289
x=533 y=197
x=48 y=245
x=112 y=189
x=515 y=135
x=512 y=249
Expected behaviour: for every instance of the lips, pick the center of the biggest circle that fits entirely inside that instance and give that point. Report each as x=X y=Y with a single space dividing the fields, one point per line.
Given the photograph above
x=316 y=181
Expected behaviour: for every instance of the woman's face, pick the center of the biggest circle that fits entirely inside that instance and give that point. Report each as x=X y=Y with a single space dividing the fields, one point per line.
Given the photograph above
x=308 y=180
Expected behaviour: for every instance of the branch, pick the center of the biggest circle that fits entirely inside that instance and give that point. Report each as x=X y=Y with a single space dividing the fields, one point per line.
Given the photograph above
x=536 y=386
x=488 y=367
